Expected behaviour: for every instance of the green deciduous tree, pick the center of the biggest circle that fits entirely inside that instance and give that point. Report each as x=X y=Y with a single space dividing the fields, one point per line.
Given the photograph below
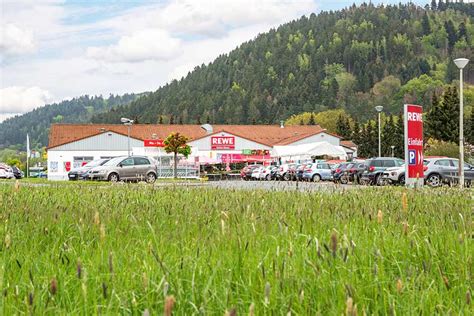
x=177 y=144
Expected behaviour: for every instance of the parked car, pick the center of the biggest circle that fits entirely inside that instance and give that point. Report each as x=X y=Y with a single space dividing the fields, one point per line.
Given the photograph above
x=287 y=171
x=441 y=170
x=256 y=173
x=246 y=172
x=452 y=177
x=17 y=172
x=81 y=172
x=376 y=167
x=338 y=170
x=352 y=172
x=6 y=173
x=317 y=171
x=394 y=175
x=126 y=168
x=269 y=173
x=299 y=171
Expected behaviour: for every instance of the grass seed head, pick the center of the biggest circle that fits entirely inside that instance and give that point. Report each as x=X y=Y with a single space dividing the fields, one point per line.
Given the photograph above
x=252 y=309
x=111 y=263
x=399 y=286
x=146 y=312
x=104 y=290
x=17 y=186
x=446 y=282
x=79 y=269
x=145 y=280
x=404 y=202
x=334 y=243
x=351 y=309
x=468 y=297
x=166 y=286
x=53 y=286
x=30 y=299
x=169 y=304
x=8 y=241
x=380 y=217
x=405 y=228
x=102 y=231
x=267 y=293
x=96 y=218
x=232 y=312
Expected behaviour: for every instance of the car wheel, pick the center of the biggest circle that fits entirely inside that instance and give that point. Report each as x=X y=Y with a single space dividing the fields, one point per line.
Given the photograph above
x=286 y=177
x=316 y=178
x=344 y=179
x=401 y=179
x=151 y=177
x=379 y=180
x=113 y=177
x=434 y=180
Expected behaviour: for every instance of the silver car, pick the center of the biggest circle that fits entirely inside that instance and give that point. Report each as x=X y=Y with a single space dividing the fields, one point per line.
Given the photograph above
x=125 y=168
x=436 y=169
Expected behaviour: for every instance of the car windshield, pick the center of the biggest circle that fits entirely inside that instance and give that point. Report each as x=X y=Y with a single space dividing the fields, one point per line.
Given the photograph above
x=114 y=161
x=95 y=163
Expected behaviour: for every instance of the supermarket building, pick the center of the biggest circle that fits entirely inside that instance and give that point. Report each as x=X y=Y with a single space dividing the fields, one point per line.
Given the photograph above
x=72 y=145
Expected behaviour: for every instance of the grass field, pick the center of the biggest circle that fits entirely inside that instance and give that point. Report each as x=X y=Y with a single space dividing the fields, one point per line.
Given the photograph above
x=88 y=250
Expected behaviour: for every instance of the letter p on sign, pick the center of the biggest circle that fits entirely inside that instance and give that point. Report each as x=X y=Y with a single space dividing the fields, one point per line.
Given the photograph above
x=412 y=157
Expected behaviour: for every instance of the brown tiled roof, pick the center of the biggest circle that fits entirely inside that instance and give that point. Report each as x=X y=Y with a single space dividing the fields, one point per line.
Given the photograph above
x=268 y=135
x=348 y=143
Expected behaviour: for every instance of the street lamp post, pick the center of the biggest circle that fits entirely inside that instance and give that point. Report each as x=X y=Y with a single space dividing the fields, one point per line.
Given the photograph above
x=379 y=109
x=393 y=151
x=128 y=122
x=461 y=63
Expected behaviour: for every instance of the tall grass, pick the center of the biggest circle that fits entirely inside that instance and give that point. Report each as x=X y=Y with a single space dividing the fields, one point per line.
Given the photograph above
x=110 y=250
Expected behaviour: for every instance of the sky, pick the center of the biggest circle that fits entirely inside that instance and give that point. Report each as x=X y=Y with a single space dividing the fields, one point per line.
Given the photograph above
x=51 y=50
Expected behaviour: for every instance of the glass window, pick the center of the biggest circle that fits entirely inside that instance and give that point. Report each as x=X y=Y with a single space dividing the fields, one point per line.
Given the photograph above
x=81 y=161
x=127 y=162
x=377 y=163
x=141 y=161
x=389 y=163
x=443 y=162
x=456 y=164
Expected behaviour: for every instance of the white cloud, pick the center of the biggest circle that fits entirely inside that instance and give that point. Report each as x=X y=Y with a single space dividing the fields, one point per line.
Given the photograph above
x=148 y=44
x=15 y=41
x=22 y=99
x=4 y=116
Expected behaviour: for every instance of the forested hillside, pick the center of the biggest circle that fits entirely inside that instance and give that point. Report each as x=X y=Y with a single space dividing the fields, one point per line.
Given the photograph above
x=36 y=123
x=351 y=59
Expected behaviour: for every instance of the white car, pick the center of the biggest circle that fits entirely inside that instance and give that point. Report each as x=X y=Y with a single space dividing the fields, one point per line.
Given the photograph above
x=394 y=175
x=257 y=173
x=6 y=173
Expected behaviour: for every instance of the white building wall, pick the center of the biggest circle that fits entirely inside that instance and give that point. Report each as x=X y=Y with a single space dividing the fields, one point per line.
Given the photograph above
x=58 y=158
x=321 y=137
x=202 y=147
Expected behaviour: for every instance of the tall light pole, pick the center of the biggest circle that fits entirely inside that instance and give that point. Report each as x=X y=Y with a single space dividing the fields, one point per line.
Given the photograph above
x=461 y=63
x=128 y=122
x=379 y=109
x=393 y=151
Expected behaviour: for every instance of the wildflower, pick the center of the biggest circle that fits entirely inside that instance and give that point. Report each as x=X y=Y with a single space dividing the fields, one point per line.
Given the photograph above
x=334 y=243
x=267 y=293
x=169 y=303
x=379 y=217
x=53 y=286
x=399 y=286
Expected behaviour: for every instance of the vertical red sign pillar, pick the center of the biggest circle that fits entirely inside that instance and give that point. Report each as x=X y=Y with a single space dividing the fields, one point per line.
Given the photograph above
x=413 y=119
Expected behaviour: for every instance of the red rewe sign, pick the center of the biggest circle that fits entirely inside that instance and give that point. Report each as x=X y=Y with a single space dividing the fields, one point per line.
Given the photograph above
x=222 y=142
x=153 y=143
x=413 y=117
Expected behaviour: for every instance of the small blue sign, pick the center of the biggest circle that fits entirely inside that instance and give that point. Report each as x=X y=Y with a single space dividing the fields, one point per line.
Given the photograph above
x=412 y=157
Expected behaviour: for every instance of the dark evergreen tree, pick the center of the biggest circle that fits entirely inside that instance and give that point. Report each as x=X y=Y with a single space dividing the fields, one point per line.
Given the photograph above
x=433 y=124
x=160 y=120
x=452 y=34
x=389 y=134
x=356 y=133
x=449 y=117
x=399 y=137
x=301 y=121
x=343 y=127
x=311 y=119
x=171 y=119
x=425 y=24
x=470 y=129
x=433 y=5
x=180 y=120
